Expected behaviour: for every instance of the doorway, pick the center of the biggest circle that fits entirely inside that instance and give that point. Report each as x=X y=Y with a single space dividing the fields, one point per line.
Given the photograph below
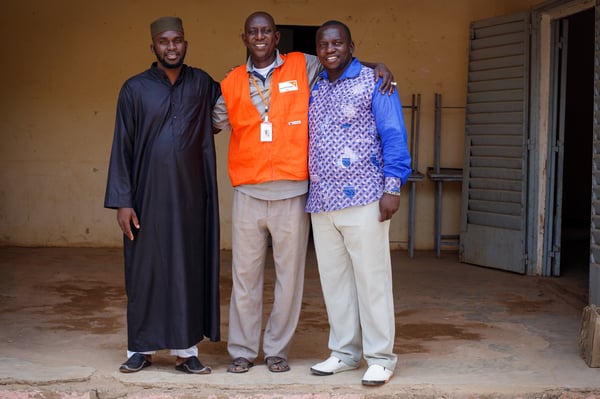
x=297 y=38
x=578 y=107
x=543 y=217
x=563 y=205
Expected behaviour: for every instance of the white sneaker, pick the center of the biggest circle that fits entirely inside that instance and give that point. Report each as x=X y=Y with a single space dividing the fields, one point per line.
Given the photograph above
x=376 y=375
x=331 y=366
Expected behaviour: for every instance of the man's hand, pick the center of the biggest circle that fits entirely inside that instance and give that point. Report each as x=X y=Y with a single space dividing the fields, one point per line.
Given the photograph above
x=388 y=205
x=126 y=217
x=388 y=85
x=230 y=70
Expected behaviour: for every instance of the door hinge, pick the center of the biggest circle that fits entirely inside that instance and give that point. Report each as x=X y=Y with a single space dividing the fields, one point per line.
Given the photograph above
x=558 y=145
x=555 y=251
x=561 y=42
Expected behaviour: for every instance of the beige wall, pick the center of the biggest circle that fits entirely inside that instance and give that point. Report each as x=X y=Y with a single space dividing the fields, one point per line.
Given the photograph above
x=64 y=62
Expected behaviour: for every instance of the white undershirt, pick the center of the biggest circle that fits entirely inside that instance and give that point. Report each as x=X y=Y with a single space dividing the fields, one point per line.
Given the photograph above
x=264 y=71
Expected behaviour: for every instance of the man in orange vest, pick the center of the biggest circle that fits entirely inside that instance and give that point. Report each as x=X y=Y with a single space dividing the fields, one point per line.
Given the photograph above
x=265 y=104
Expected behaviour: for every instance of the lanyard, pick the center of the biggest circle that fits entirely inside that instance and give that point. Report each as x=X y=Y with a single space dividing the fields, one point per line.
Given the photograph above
x=262 y=96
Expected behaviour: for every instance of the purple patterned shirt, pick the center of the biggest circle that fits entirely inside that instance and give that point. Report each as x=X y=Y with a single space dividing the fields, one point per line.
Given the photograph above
x=357 y=146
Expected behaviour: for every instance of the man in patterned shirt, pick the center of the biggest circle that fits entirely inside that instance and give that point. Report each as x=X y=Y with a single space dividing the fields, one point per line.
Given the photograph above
x=358 y=160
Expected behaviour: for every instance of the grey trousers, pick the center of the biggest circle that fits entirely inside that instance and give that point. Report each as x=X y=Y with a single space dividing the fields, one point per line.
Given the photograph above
x=253 y=220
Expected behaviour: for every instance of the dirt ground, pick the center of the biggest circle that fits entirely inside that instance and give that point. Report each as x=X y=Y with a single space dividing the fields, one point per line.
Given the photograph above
x=461 y=332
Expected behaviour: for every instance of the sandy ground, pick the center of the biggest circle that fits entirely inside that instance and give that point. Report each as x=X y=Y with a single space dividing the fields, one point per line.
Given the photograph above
x=462 y=332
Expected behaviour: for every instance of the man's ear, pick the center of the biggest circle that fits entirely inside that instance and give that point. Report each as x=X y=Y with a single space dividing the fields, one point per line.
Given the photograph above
x=152 y=49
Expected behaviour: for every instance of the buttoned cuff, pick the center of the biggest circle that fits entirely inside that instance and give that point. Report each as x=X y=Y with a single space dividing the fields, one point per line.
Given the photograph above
x=392 y=185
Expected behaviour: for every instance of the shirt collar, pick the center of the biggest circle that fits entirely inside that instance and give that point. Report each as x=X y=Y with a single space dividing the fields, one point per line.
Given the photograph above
x=278 y=62
x=160 y=74
x=352 y=71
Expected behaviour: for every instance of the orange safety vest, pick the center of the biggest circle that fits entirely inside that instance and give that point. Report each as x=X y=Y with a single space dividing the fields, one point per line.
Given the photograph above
x=286 y=157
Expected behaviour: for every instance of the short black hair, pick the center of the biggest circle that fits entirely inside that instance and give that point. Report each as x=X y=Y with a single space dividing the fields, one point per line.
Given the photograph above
x=334 y=22
x=260 y=14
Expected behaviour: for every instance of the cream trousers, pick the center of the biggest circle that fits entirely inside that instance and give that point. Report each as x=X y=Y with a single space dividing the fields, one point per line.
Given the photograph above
x=353 y=254
x=288 y=225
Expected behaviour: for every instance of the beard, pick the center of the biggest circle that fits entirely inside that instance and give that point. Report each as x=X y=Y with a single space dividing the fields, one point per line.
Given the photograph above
x=168 y=64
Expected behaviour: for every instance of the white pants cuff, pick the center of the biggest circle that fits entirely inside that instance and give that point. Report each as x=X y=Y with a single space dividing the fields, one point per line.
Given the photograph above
x=184 y=353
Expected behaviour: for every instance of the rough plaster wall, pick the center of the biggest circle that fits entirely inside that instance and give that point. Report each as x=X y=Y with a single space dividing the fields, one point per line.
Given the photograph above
x=67 y=59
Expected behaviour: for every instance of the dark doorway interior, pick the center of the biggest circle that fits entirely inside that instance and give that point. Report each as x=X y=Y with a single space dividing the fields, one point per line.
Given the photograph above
x=577 y=173
x=297 y=38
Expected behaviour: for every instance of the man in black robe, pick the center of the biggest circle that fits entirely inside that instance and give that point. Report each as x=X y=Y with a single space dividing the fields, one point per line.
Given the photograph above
x=162 y=181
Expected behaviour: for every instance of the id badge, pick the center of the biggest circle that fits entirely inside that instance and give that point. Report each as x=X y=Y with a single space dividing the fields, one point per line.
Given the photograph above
x=266 y=132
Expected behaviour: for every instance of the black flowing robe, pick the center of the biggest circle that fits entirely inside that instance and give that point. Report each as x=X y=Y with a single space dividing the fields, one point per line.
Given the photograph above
x=163 y=165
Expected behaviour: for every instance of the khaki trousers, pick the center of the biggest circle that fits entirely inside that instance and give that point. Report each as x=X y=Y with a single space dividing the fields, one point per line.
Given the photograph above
x=253 y=220
x=353 y=254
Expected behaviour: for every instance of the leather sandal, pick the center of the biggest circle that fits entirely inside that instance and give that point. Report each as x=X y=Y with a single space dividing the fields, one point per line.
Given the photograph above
x=240 y=365
x=136 y=362
x=192 y=365
x=277 y=364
